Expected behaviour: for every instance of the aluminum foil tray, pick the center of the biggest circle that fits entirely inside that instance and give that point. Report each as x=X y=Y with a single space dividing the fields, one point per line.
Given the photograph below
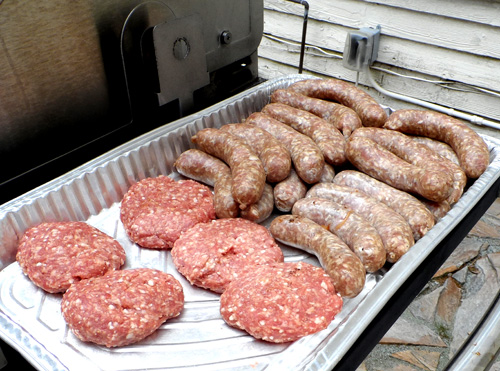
x=31 y=321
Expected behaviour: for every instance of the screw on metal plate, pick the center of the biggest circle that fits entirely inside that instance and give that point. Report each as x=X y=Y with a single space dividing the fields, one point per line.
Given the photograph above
x=226 y=37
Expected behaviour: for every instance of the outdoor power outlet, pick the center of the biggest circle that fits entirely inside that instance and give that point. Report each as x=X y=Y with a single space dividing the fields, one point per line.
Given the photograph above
x=361 y=48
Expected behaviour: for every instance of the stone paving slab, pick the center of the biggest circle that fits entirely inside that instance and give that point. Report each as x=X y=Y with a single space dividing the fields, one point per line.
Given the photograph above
x=436 y=324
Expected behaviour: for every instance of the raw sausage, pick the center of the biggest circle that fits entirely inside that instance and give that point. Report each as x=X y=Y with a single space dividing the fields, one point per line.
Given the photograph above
x=328 y=138
x=361 y=237
x=472 y=151
x=370 y=112
x=289 y=191
x=224 y=203
x=438 y=209
x=328 y=174
x=395 y=232
x=382 y=164
x=342 y=265
x=413 y=211
x=307 y=157
x=419 y=155
x=262 y=209
x=340 y=116
x=201 y=166
x=441 y=148
x=247 y=171
x=273 y=154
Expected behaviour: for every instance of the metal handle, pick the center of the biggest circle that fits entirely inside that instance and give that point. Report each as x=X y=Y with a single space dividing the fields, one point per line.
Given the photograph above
x=304 y=30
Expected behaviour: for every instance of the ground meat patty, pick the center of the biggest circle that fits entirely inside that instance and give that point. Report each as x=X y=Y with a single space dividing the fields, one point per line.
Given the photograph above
x=57 y=254
x=281 y=302
x=210 y=255
x=155 y=211
x=121 y=307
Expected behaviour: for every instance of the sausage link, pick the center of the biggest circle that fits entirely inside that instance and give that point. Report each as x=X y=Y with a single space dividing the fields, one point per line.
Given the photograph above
x=346 y=93
x=473 y=153
x=395 y=232
x=441 y=148
x=419 y=155
x=384 y=165
x=273 y=154
x=342 y=265
x=340 y=116
x=200 y=166
x=437 y=209
x=262 y=209
x=409 y=207
x=328 y=138
x=327 y=175
x=361 y=237
x=224 y=204
x=247 y=171
x=306 y=156
x=289 y=191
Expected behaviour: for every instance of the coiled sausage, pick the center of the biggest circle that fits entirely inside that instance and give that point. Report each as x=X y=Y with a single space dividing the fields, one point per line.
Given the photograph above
x=361 y=237
x=471 y=149
x=367 y=108
x=307 y=157
x=342 y=265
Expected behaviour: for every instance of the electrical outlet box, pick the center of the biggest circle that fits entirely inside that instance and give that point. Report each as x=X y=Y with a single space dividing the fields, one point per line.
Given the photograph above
x=361 y=48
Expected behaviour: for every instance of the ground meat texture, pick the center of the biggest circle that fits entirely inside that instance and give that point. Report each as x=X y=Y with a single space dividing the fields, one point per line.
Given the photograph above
x=340 y=116
x=356 y=232
x=373 y=159
x=281 y=302
x=409 y=207
x=121 y=307
x=155 y=211
x=344 y=268
x=395 y=232
x=211 y=255
x=56 y=255
x=273 y=154
x=370 y=112
x=328 y=138
x=473 y=153
x=307 y=158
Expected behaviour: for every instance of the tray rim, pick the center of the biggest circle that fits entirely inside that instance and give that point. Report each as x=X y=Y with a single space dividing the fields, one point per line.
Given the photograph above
x=350 y=329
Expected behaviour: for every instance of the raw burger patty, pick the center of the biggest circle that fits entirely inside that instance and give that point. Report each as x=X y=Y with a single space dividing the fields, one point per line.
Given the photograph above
x=281 y=302
x=155 y=211
x=121 y=307
x=211 y=254
x=56 y=255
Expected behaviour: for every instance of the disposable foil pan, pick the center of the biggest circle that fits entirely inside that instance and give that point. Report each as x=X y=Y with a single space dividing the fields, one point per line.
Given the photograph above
x=31 y=321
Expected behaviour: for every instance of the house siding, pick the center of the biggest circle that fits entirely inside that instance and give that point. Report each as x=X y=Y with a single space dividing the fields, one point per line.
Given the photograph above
x=444 y=52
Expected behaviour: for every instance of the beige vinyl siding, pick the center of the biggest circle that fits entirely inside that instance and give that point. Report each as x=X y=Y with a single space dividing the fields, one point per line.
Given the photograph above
x=444 y=52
